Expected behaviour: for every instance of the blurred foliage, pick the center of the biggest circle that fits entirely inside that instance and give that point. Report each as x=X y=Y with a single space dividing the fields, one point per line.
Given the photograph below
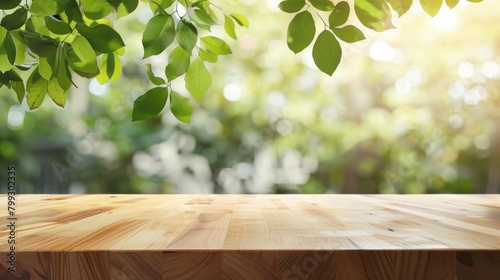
x=411 y=110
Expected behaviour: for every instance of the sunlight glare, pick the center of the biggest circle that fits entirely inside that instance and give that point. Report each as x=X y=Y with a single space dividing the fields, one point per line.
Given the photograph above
x=445 y=19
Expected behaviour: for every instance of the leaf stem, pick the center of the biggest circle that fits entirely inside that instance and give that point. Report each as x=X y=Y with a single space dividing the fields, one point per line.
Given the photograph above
x=326 y=25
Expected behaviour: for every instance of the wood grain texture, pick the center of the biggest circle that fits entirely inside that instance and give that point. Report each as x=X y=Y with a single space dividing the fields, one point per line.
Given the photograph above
x=255 y=237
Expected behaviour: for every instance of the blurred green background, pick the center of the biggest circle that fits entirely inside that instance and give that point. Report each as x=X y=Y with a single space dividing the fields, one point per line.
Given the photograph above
x=410 y=110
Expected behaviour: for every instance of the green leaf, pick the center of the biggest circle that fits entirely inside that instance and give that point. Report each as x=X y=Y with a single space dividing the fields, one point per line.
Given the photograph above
x=206 y=56
x=110 y=68
x=323 y=5
x=46 y=66
x=7 y=50
x=37 y=89
x=292 y=6
x=15 y=20
x=155 y=80
x=63 y=73
x=17 y=84
x=240 y=19
x=45 y=7
x=401 y=6
x=301 y=31
x=130 y=5
x=158 y=35
x=96 y=9
x=197 y=79
x=178 y=63
x=20 y=51
x=26 y=66
x=150 y=104
x=349 y=34
x=57 y=26
x=475 y=1
x=431 y=7
x=9 y=4
x=82 y=57
x=204 y=17
x=186 y=35
x=452 y=3
x=182 y=107
x=215 y=45
x=339 y=15
x=37 y=25
x=41 y=45
x=101 y=37
x=159 y=6
x=56 y=92
x=327 y=52
x=374 y=14
x=73 y=12
x=229 y=27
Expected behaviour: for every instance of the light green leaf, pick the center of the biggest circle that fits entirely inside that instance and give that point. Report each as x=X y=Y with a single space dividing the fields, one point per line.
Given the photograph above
x=56 y=92
x=340 y=14
x=327 y=52
x=46 y=66
x=292 y=6
x=7 y=50
x=204 y=17
x=150 y=104
x=374 y=14
x=158 y=35
x=431 y=7
x=206 y=56
x=349 y=34
x=186 y=35
x=452 y=3
x=57 y=26
x=82 y=58
x=323 y=5
x=229 y=27
x=9 y=4
x=197 y=79
x=20 y=51
x=37 y=25
x=301 y=31
x=101 y=37
x=240 y=19
x=96 y=9
x=155 y=80
x=401 y=6
x=475 y=1
x=15 y=20
x=182 y=107
x=178 y=63
x=37 y=89
x=215 y=45
x=110 y=68
x=45 y=7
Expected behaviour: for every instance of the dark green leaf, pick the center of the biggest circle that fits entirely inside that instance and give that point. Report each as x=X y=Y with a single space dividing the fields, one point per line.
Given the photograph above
x=57 y=26
x=73 y=11
x=401 y=6
x=130 y=5
x=301 y=31
x=82 y=57
x=158 y=35
x=101 y=37
x=37 y=89
x=452 y=3
x=39 y=44
x=240 y=19
x=155 y=80
x=45 y=7
x=17 y=84
x=7 y=50
x=292 y=6
x=349 y=34
x=431 y=7
x=215 y=45
x=198 y=3
x=63 y=73
x=197 y=79
x=178 y=63
x=327 y=52
x=374 y=14
x=37 y=25
x=150 y=104
x=229 y=27
x=96 y=9
x=15 y=20
x=182 y=107
x=186 y=35
x=323 y=5
x=339 y=15
x=9 y=4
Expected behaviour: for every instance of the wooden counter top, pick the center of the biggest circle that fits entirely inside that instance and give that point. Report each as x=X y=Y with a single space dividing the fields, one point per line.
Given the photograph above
x=178 y=229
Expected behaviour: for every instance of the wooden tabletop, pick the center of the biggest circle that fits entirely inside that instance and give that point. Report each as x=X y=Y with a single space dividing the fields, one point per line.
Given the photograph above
x=68 y=223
